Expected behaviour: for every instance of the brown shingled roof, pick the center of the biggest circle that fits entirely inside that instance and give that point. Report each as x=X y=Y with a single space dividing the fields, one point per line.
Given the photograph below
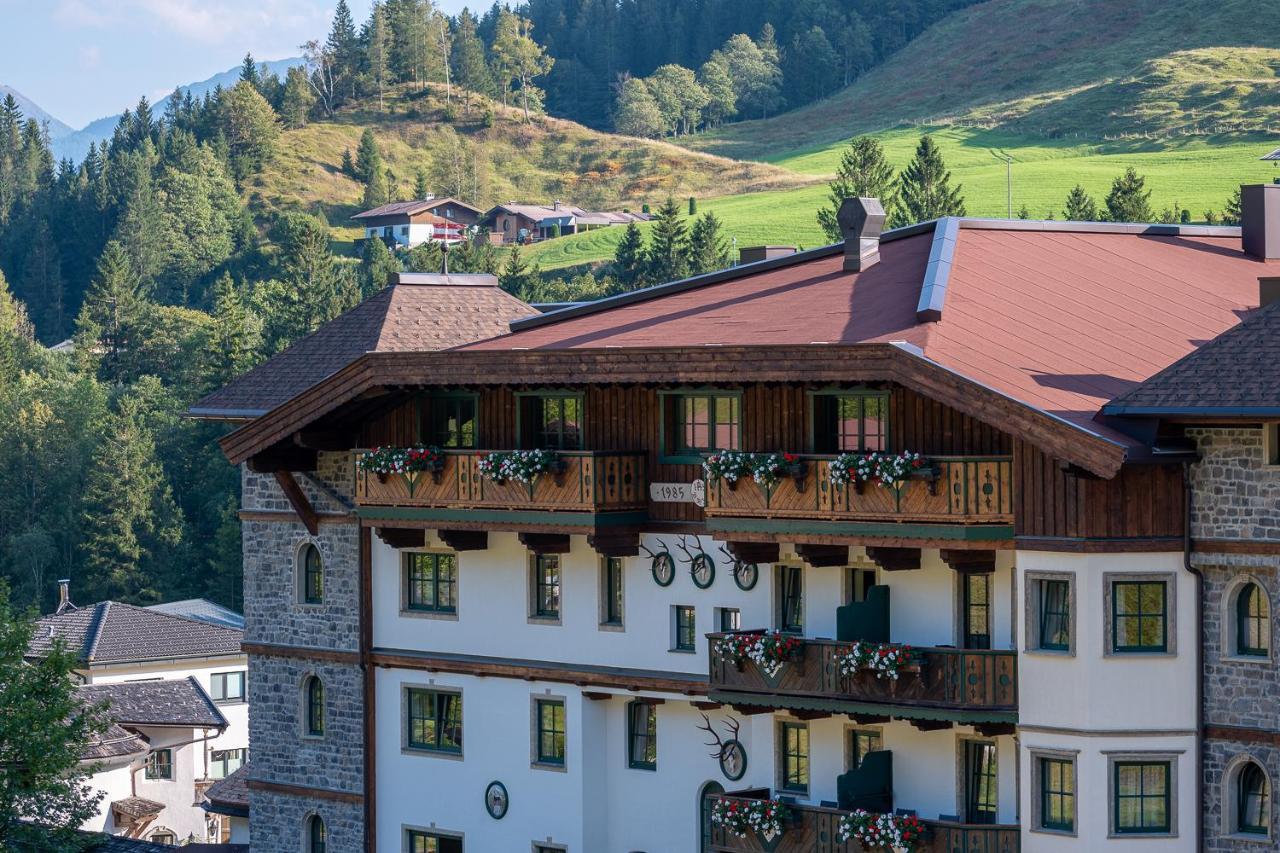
x=115 y=742
x=136 y=807
x=112 y=632
x=420 y=312
x=229 y=796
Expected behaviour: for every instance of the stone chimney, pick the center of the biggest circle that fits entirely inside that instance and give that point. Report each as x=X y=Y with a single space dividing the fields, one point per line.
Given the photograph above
x=64 y=595
x=861 y=221
x=753 y=254
x=555 y=205
x=1260 y=220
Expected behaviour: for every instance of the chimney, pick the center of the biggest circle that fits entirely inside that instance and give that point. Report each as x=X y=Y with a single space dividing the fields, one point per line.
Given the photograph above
x=1260 y=220
x=64 y=595
x=555 y=205
x=753 y=254
x=1268 y=290
x=861 y=221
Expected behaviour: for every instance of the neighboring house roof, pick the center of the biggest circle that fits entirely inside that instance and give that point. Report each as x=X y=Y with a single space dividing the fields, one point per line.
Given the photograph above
x=95 y=842
x=450 y=200
x=112 y=632
x=202 y=610
x=1061 y=317
x=229 y=796
x=171 y=702
x=565 y=214
x=397 y=208
x=419 y=312
x=1274 y=155
x=1236 y=373
x=136 y=807
x=115 y=742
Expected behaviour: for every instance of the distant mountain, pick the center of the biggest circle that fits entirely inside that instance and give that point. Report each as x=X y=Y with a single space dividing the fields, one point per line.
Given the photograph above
x=30 y=109
x=75 y=143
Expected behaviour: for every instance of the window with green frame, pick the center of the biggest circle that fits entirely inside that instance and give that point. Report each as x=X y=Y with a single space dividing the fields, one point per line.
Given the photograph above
x=976 y=610
x=431 y=582
x=434 y=720
x=611 y=591
x=790 y=585
x=546 y=586
x=550 y=728
x=698 y=423
x=1253 y=801
x=551 y=421
x=451 y=421
x=1142 y=797
x=1138 y=616
x=862 y=741
x=1055 y=615
x=315 y=707
x=312 y=575
x=1057 y=794
x=981 y=781
x=428 y=842
x=160 y=764
x=642 y=736
x=794 y=740
x=686 y=629
x=850 y=422
x=1253 y=621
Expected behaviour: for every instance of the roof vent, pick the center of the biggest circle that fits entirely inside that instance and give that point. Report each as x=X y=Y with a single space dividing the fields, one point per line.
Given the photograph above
x=1260 y=220
x=754 y=254
x=861 y=221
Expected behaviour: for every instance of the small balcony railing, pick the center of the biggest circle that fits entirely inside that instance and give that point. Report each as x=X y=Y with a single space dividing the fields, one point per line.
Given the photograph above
x=961 y=684
x=817 y=828
x=585 y=481
x=955 y=489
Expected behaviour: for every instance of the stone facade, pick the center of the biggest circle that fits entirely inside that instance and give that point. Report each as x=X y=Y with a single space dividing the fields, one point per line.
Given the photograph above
x=276 y=614
x=1236 y=498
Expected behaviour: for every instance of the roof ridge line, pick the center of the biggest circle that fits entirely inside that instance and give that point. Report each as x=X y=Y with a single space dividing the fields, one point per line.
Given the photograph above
x=178 y=616
x=1071 y=226
x=95 y=628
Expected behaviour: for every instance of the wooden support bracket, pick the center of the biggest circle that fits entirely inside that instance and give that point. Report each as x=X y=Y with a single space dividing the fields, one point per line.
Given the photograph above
x=895 y=559
x=819 y=556
x=970 y=562
x=402 y=537
x=298 y=500
x=754 y=552
x=465 y=540
x=615 y=543
x=545 y=543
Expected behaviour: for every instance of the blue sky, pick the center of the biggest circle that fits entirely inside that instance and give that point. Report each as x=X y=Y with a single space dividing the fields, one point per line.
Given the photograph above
x=84 y=59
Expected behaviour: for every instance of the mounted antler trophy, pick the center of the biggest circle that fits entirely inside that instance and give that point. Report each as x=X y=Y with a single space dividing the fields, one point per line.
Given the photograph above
x=730 y=753
x=745 y=574
x=662 y=565
x=702 y=568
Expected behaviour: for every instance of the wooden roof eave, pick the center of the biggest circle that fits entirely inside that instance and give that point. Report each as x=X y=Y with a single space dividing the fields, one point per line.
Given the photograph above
x=817 y=363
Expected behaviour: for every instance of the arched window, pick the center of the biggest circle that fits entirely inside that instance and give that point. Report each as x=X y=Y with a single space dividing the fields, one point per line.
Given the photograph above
x=1253 y=621
x=705 y=803
x=316 y=834
x=314 y=706
x=1253 y=800
x=312 y=580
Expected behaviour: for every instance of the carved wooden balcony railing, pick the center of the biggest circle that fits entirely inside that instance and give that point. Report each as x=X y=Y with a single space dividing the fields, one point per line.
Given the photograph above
x=813 y=829
x=957 y=684
x=965 y=490
x=591 y=482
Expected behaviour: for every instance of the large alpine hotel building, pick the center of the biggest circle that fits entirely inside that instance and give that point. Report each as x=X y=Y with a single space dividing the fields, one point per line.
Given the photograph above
x=1083 y=558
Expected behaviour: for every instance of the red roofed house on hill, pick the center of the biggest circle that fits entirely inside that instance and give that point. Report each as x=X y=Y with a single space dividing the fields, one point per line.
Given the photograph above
x=856 y=528
x=412 y=223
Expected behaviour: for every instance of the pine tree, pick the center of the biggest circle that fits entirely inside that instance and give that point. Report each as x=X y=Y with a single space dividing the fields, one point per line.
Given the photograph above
x=1231 y=214
x=1080 y=206
x=343 y=48
x=349 y=165
x=377 y=265
x=470 y=69
x=236 y=333
x=368 y=157
x=15 y=335
x=249 y=72
x=516 y=277
x=297 y=100
x=629 y=258
x=863 y=173
x=924 y=188
x=111 y=317
x=668 y=255
x=1127 y=201
x=421 y=185
x=250 y=127
x=708 y=250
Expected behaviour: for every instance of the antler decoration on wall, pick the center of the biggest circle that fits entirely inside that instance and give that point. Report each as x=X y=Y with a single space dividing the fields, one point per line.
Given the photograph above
x=702 y=567
x=720 y=744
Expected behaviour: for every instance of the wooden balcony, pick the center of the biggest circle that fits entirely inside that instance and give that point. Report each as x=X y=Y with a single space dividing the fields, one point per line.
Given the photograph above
x=816 y=830
x=976 y=686
x=591 y=483
x=957 y=490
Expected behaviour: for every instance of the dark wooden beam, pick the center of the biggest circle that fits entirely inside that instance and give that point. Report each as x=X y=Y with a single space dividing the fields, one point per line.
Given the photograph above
x=931 y=725
x=705 y=706
x=970 y=562
x=995 y=729
x=895 y=559
x=545 y=543
x=650 y=700
x=465 y=540
x=810 y=715
x=614 y=543
x=323 y=439
x=286 y=457
x=869 y=719
x=754 y=552
x=402 y=537
x=298 y=500
x=752 y=710
x=824 y=555
x=596 y=696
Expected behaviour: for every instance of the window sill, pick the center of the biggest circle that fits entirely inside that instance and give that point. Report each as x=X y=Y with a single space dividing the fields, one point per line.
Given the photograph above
x=225 y=702
x=544 y=620
x=1051 y=653
x=1248 y=837
x=441 y=616
x=1256 y=660
x=652 y=768
x=312 y=738
x=1061 y=833
x=683 y=651
x=547 y=765
x=614 y=627
x=1130 y=653
x=1120 y=836
x=431 y=753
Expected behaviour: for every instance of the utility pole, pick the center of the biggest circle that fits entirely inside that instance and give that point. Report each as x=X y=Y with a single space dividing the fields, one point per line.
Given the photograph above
x=1008 y=180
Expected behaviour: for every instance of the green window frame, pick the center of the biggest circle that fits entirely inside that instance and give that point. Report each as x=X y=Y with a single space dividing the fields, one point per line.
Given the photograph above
x=1055 y=615
x=312 y=575
x=614 y=576
x=546 y=586
x=227 y=686
x=1142 y=797
x=315 y=707
x=431 y=582
x=555 y=421
x=794 y=741
x=686 y=628
x=642 y=736
x=862 y=741
x=1253 y=621
x=857 y=582
x=976 y=610
x=849 y=421
x=1057 y=794
x=981 y=781
x=550 y=731
x=224 y=762
x=1139 y=616
x=451 y=421
x=433 y=720
x=1253 y=801
x=317 y=835
x=160 y=764
x=696 y=423
x=730 y=619
x=790 y=599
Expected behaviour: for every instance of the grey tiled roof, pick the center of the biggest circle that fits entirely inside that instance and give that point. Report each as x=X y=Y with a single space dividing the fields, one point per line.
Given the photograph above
x=136 y=807
x=31 y=840
x=202 y=610
x=176 y=702
x=115 y=742
x=111 y=632
x=230 y=796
